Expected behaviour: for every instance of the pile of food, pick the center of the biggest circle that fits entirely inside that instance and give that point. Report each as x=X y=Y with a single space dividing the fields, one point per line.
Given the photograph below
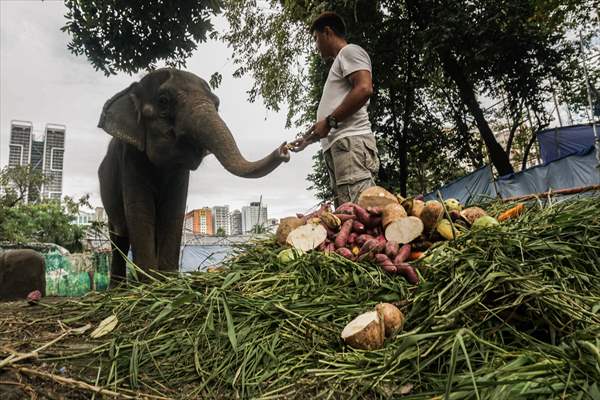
x=510 y=311
x=384 y=228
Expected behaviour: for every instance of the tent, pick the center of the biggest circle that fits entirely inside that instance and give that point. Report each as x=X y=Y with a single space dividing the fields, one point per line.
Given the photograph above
x=559 y=142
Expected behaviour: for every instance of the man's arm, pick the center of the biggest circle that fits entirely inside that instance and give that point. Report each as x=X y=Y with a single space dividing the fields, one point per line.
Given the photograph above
x=362 y=89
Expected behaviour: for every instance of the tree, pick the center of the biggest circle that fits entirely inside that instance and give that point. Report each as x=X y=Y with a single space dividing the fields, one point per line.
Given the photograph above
x=47 y=221
x=221 y=232
x=134 y=35
x=17 y=182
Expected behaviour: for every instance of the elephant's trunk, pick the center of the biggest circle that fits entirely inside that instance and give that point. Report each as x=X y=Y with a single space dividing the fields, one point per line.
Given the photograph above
x=216 y=138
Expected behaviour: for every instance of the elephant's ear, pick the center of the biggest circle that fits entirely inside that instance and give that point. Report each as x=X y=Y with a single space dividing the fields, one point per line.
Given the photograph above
x=121 y=117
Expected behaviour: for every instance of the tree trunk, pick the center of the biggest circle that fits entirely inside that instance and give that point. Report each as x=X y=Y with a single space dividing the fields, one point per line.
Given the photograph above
x=400 y=136
x=467 y=94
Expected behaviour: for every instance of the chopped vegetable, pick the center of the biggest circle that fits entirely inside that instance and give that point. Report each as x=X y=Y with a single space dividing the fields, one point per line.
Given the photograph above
x=286 y=225
x=307 y=237
x=392 y=212
x=404 y=230
x=366 y=332
x=512 y=212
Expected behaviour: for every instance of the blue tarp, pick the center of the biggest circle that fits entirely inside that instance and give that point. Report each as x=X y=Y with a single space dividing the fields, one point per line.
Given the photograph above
x=576 y=170
x=558 y=142
x=473 y=188
x=200 y=257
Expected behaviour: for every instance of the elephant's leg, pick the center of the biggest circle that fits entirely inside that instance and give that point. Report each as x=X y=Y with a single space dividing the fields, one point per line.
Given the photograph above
x=141 y=224
x=170 y=214
x=118 y=270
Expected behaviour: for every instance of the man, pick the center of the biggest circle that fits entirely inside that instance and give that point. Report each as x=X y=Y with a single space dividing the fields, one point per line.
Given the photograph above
x=343 y=126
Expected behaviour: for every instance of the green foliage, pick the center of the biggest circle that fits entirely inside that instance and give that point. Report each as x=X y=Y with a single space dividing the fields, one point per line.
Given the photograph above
x=319 y=178
x=17 y=181
x=47 y=221
x=221 y=232
x=134 y=35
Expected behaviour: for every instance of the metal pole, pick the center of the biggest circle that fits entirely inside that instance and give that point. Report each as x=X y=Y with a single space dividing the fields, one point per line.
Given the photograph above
x=589 y=96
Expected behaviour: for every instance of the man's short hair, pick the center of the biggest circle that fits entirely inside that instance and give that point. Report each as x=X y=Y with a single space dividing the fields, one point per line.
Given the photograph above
x=330 y=19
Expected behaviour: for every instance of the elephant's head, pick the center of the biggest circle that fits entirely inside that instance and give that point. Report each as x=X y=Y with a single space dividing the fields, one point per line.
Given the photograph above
x=171 y=115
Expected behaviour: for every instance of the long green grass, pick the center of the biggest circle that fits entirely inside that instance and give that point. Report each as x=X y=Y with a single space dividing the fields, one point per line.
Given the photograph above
x=511 y=312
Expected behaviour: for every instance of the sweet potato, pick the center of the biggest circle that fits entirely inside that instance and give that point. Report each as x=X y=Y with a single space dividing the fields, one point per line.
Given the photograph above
x=361 y=239
x=374 y=210
x=416 y=255
x=342 y=236
x=330 y=248
x=377 y=231
x=358 y=227
x=391 y=249
x=408 y=272
x=346 y=253
x=371 y=246
x=364 y=257
x=346 y=208
x=374 y=222
x=330 y=232
x=345 y=217
x=351 y=238
x=402 y=254
x=362 y=215
x=392 y=212
x=323 y=245
x=385 y=263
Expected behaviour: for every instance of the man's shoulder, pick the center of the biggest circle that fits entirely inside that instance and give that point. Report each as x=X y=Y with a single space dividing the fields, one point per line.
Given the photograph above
x=351 y=47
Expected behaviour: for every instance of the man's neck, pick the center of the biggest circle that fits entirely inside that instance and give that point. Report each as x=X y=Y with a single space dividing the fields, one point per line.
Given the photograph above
x=338 y=45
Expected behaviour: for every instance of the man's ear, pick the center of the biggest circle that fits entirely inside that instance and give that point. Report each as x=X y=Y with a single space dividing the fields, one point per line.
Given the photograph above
x=121 y=117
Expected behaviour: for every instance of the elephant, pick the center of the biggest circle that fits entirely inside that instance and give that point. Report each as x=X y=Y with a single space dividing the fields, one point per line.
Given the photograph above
x=21 y=271
x=162 y=127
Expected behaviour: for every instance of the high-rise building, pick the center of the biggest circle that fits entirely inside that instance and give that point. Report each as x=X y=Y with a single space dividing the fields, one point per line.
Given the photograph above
x=255 y=214
x=20 y=143
x=54 y=150
x=44 y=154
x=198 y=222
x=236 y=222
x=221 y=219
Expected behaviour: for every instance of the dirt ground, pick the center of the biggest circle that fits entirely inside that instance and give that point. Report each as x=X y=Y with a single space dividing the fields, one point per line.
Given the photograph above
x=23 y=329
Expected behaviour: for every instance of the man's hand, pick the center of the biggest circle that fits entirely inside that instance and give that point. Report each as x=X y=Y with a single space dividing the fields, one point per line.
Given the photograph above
x=314 y=134
x=320 y=129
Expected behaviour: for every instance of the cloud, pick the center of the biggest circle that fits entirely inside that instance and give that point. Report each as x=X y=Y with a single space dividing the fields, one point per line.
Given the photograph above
x=42 y=82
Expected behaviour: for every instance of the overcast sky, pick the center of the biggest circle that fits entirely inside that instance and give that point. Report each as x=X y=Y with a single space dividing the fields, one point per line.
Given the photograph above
x=42 y=82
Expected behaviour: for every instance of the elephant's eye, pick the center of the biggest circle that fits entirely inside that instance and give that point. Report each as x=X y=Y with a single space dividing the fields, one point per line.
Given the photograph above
x=163 y=101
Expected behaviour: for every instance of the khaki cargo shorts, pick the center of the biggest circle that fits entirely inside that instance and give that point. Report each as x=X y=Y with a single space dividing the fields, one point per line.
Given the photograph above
x=353 y=164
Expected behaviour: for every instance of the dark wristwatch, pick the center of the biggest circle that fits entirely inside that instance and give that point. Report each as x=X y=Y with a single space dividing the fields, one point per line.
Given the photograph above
x=332 y=122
